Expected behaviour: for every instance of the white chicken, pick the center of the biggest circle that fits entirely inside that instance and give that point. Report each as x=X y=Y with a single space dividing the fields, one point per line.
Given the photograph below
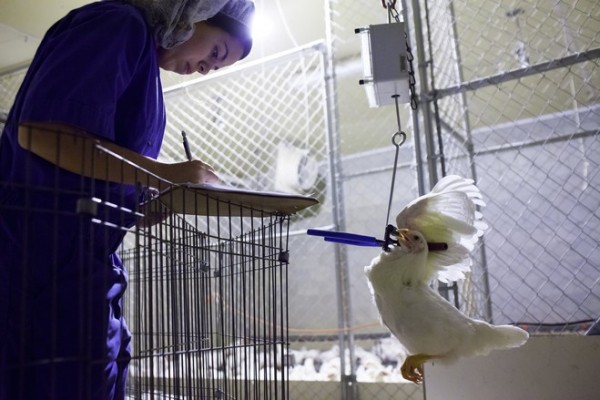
x=427 y=325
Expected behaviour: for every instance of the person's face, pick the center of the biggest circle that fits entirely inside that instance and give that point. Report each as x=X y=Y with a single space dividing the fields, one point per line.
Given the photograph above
x=209 y=48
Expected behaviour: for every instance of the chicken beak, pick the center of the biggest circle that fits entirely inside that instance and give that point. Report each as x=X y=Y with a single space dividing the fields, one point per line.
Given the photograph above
x=403 y=237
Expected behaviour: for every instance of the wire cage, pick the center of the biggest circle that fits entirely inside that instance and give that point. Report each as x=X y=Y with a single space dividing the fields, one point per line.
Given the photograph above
x=208 y=304
x=205 y=310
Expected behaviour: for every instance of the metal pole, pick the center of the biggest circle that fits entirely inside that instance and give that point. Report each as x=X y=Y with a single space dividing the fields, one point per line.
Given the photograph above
x=345 y=335
x=425 y=98
x=415 y=118
x=471 y=154
x=520 y=73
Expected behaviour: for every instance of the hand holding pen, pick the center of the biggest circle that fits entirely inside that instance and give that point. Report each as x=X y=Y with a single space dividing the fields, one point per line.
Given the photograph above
x=206 y=172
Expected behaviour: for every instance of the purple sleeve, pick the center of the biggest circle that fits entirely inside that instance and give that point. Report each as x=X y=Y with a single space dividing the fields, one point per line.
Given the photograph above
x=83 y=66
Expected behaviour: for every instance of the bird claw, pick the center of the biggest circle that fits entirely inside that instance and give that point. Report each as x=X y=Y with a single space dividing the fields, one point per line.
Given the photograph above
x=412 y=368
x=412 y=373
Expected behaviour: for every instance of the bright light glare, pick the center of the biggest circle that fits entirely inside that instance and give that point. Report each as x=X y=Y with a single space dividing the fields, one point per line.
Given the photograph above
x=261 y=26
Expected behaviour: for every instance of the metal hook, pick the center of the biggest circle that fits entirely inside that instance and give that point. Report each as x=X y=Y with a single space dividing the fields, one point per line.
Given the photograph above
x=398 y=140
x=397 y=135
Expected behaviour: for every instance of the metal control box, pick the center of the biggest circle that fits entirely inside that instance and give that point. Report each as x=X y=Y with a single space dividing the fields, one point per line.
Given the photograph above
x=385 y=63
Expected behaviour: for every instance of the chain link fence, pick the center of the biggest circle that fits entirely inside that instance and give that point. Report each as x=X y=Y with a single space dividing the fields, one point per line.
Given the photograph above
x=508 y=95
x=516 y=102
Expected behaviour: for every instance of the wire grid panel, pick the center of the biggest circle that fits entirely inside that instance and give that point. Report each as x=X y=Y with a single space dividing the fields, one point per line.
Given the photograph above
x=254 y=122
x=9 y=84
x=521 y=114
x=208 y=308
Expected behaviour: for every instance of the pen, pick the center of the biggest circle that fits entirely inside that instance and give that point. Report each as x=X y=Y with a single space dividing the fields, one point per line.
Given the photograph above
x=186 y=146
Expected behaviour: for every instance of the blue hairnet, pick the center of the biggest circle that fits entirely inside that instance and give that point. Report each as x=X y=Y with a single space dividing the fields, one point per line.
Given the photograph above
x=173 y=20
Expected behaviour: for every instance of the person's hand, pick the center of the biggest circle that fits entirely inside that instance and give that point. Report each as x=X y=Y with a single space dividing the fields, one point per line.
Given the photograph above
x=194 y=171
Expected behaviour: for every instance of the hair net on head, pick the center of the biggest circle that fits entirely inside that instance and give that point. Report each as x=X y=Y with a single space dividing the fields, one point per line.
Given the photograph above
x=236 y=18
x=173 y=20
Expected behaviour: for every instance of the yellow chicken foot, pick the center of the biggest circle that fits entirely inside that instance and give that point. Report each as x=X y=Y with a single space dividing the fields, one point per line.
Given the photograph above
x=412 y=368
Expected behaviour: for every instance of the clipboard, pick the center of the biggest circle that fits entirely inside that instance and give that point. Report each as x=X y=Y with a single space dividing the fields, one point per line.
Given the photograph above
x=209 y=199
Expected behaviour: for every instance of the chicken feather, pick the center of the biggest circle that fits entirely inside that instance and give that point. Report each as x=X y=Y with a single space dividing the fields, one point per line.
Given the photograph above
x=447 y=214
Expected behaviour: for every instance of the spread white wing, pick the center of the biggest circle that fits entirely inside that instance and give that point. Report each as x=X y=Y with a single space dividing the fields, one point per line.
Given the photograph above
x=447 y=214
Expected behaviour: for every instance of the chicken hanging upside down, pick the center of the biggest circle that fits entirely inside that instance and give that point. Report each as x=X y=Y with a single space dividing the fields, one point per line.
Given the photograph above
x=429 y=327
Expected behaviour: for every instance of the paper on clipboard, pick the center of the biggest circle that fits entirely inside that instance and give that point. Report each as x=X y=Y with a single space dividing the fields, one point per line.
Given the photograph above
x=222 y=200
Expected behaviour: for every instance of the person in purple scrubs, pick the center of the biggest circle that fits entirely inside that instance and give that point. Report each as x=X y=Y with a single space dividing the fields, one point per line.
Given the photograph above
x=94 y=81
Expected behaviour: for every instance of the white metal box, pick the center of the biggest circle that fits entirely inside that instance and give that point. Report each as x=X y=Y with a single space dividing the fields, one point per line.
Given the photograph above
x=385 y=63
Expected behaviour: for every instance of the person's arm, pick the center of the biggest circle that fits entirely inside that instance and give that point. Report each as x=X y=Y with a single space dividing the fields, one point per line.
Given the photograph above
x=75 y=151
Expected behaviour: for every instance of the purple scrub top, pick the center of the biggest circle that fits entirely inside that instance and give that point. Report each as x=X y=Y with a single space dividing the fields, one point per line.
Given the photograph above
x=60 y=280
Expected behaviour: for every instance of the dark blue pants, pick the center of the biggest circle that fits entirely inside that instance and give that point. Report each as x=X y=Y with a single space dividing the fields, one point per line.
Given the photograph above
x=62 y=331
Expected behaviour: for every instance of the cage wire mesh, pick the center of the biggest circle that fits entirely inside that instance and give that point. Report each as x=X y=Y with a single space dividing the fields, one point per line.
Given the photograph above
x=207 y=306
